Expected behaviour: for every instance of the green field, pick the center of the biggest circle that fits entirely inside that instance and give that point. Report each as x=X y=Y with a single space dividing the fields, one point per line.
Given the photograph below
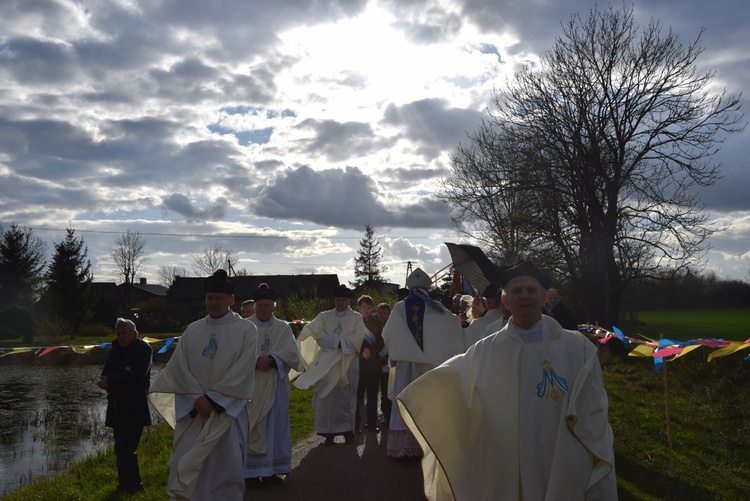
x=682 y=325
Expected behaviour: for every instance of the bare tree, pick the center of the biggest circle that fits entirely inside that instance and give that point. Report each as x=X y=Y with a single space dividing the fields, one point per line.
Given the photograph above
x=214 y=258
x=491 y=203
x=615 y=131
x=167 y=274
x=128 y=254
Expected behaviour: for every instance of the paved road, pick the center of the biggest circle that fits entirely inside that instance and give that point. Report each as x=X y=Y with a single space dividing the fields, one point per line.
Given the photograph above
x=359 y=471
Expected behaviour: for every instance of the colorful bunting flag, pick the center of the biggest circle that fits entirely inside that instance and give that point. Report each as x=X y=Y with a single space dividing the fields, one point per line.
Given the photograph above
x=665 y=348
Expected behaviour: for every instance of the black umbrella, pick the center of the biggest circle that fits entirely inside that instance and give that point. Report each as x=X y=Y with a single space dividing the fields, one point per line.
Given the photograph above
x=474 y=265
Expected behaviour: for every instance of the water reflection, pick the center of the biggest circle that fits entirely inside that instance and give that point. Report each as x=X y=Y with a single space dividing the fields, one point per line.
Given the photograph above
x=50 y=417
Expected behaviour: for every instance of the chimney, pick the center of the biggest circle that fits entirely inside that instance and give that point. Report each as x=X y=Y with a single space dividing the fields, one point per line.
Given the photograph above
x=143 y=281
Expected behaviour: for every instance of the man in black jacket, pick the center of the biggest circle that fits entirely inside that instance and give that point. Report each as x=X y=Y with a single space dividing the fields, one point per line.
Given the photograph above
x=126 y=377
x=557 y=310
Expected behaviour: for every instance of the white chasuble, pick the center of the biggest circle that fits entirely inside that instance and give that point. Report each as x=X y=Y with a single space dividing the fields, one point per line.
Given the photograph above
x=275 y=338
x=509 y=420
x=214 y=357
x=326 y=368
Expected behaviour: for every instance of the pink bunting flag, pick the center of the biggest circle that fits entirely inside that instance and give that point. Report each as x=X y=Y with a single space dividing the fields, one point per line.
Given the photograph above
x=49 y=349
x=668 y=352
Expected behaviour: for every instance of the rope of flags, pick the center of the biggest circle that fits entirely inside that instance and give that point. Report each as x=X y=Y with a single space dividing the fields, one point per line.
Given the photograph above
x=667 y=349
x=41 y=351
x=659 y=350
x=81 y=349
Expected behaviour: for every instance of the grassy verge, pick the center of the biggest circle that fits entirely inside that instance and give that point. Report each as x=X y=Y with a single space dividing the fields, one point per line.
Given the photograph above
x=95 y=478
x=709 y=410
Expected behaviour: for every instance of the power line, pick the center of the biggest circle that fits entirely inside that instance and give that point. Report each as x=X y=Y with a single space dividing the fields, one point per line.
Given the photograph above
x=204 y=235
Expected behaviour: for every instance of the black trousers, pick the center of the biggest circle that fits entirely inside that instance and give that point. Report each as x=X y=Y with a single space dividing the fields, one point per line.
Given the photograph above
x=127 y=438
x=368 y=384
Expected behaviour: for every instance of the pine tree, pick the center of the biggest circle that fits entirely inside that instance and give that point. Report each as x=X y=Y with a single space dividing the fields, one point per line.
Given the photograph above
x=367 y=268
x=22 y=261
x=70 y=294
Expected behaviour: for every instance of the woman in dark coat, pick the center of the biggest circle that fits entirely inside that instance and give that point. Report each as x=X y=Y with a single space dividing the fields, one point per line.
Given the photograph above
x=127 y=376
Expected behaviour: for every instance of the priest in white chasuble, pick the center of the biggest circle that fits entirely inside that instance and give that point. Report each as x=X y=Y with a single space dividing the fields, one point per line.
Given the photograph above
x=269 y=447
x=521 y=415
x=203 y=393
x=329 y=347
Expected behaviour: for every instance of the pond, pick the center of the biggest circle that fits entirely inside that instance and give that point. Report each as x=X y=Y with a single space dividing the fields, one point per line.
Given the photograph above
x=50 y=417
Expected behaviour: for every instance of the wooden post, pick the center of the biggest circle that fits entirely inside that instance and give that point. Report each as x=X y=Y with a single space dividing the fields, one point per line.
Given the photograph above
x=669 y=423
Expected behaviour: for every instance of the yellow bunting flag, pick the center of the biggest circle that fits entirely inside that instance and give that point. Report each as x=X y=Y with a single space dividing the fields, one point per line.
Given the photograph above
x=687 y=350
x=728 y=350
x=16 y=350
x=642 y=350
x=84 y=349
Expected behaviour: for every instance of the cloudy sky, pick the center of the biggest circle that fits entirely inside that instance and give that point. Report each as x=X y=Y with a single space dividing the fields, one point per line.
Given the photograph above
x=279 y=128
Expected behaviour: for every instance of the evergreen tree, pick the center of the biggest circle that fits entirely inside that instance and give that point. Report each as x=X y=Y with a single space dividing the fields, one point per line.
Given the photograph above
x=22 y=261
x=70 y=294
x=367 y=268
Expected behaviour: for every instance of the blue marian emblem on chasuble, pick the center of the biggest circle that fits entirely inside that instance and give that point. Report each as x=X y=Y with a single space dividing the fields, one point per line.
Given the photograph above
x=338 y=329
x=552 y=386
x=265 y=345
x=210 y=350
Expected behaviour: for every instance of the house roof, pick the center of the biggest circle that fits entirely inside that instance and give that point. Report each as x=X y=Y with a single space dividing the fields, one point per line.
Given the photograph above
x=155 y=289
x=245 y=286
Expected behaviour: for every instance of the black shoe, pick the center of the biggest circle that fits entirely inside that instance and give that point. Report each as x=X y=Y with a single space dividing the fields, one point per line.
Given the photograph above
x=132 y=490
x=329 y=440
x=372 y=428
x=253 y=483
x=349 y=438
x=273 y=480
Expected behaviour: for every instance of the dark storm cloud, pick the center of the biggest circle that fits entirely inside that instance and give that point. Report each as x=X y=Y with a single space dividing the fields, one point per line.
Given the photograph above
x=181 y=204
x=32 y=61
x=432 y=124
x=40 y=148
x=339 y=141
x=342 y=198
x=135 y=152
x=24 y=194
x=729 y=194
